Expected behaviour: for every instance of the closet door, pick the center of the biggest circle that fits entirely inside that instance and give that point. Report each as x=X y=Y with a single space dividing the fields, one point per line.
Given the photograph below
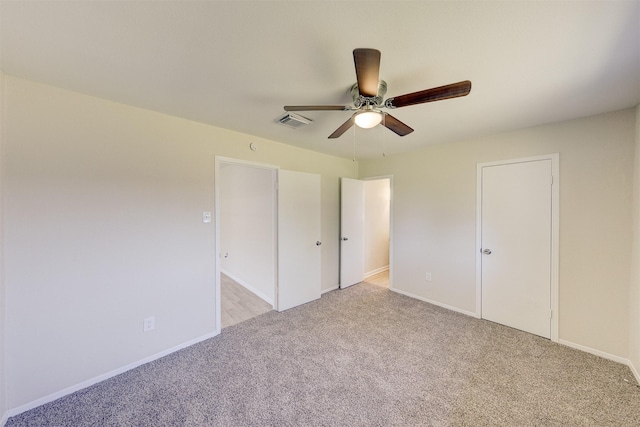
x=516 y=245
x=298 y=238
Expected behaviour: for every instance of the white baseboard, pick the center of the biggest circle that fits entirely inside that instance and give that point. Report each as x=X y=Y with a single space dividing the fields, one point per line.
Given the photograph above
x=376 y=271
x=248 y=287
x=330 y=289
x=590 y=350
x=634 y=371
x=84 y=384
x=604 y=355
x=595 y=352
x=4 y=419
x=439 y=304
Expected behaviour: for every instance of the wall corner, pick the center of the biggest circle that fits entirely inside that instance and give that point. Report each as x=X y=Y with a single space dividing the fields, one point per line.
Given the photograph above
x=634 y=285
x=3 y=377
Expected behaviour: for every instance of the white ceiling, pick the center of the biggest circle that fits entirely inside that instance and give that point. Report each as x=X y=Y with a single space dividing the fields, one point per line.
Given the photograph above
x=235 y=64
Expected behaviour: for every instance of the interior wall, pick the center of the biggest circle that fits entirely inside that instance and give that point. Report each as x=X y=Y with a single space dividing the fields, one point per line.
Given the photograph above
x=435 y=208
x=376 y=225
x=103 y=227
x=3 y=405
x=634 y=293
x=247 y=228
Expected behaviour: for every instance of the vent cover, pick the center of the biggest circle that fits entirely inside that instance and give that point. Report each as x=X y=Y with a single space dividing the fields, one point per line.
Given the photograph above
x=293 y=120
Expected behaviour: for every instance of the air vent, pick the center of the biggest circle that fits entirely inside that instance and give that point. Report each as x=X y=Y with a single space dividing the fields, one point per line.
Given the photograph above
x=293 y=120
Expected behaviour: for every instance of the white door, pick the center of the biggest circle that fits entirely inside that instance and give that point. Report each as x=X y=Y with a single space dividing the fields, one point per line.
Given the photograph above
x=351 y=232
x=298 y=238
x=516 y=245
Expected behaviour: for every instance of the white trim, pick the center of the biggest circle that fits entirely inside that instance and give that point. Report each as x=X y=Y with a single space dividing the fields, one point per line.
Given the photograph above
x=248 y=287
x=218 y=162
x=240 y=162
x=439 y=304
x=376 y=271
x=555 y=244
x=84 y=384
x=634 y=371
x=4 y=419
x=595 y=352
x=478 y=241
x=330 y=289
x=555 y=232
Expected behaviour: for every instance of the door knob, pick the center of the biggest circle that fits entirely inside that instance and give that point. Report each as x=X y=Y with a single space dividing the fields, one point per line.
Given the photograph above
x=486 y=251
x=318 y=243
x=345 y=238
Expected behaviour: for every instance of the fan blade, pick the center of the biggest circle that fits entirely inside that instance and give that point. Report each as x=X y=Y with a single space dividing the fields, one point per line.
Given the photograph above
x=342 y=129
x=396 y=125
x=317 y=108
x=453 y=90
x=367 y=63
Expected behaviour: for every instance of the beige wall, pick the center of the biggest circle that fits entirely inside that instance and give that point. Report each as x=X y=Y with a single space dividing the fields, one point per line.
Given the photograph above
x=3 y=405
x=434 y=209
x=103 y=221
x=634 y=294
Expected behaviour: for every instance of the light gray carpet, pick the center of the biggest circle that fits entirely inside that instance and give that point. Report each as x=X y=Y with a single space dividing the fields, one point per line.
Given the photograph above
x=363 y=356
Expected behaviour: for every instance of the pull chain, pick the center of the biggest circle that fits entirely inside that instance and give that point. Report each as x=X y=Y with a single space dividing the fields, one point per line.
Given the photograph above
x=384 y=134
x=354 y=144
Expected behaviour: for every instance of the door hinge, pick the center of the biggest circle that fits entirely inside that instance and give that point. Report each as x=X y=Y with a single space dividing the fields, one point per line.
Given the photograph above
x=550 y=314
x=551 y=179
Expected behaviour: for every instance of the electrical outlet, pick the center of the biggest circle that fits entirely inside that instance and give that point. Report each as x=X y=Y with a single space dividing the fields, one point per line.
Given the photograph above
x=149 y=324
x=428 y=277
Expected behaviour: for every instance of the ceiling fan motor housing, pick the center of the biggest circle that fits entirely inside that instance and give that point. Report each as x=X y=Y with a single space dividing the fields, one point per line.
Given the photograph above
x=359 y=100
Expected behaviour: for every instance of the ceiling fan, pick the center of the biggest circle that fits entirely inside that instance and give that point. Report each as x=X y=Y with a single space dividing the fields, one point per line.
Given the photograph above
x=368 y=93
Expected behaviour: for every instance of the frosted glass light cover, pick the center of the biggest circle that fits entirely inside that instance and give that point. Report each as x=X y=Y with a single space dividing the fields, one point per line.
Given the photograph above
x=368 y=119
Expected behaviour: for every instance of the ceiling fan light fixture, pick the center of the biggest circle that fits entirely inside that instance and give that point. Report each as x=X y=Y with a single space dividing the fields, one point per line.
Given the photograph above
x=368 y=97
x=368 y=119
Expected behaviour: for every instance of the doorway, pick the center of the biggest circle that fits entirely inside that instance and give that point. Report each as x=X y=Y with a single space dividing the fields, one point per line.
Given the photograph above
x=268 y=230
x=365 y=231
x=377 y=230
x=246 y=230
x=517 y=241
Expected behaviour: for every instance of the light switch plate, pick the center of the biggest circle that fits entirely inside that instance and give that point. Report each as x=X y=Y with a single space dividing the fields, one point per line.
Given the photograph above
x=206 y=217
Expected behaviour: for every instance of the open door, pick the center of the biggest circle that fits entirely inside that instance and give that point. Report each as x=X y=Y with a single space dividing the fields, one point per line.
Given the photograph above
x=351 y=232
x=299 y=235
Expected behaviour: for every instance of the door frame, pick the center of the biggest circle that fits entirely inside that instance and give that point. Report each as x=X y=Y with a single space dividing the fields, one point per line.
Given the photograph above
x=555 y=235
x=390 y=178
x=219 y=162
